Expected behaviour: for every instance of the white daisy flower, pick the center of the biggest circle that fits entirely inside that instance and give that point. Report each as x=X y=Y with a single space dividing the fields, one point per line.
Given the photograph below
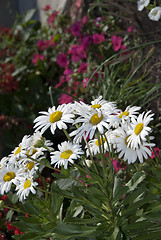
x=25 y=186
x=8 y=175
x=139 y=129
x=20 y=151
x=155 y=14
x=54 y=118
x=142 y=3
x=101 y=104
x=3 y=162
x=68 y=152
x=94 y=144
x=92 y=121
x=127 y=153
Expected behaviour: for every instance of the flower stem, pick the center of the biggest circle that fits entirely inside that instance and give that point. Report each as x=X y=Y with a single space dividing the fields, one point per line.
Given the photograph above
x=67 y=135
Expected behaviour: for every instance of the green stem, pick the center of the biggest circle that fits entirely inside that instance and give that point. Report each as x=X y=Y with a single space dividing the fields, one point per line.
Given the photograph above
x=67 y=135
x=91 y=156
x=102 y=155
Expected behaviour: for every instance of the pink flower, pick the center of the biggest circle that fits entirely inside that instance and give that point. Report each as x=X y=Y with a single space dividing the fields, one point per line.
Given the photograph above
x=84 y=20
x=75 y=29
x=65 y=99
x=52 y=17
x=85 y=82
x=68 y=72
x=62 y=60
x=36 y=57
x=85 y=41
x=131 y=29
x=47 y=8
x=78 y=52
x=83 y=67
x=157 y=150
x=98 y=38
x=62 y=80
x=43 y=44
x=117 y=166
x=116 y=42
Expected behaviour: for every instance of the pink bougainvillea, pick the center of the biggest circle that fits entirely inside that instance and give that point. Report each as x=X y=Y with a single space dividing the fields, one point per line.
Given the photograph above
x=65 y=99
x=62 y=60
x=36 y=57
x=98 y=38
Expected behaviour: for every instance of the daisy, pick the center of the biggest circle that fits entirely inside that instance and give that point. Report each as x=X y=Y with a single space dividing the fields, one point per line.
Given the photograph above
x=102 y=104
x=68 y=152
x=25 y=186
x=139 y=129
x=129 y=154
x=8 y=175
x=155 y=14
x=20 y=151
x=94 y=144
x=142 y=3
x=92 y=121
x=54 y=118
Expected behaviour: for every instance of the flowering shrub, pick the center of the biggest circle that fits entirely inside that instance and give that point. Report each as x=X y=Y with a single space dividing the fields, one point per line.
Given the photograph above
x=101 y=168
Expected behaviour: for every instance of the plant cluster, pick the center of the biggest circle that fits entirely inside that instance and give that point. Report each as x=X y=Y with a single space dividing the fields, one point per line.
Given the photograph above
x=92 y=168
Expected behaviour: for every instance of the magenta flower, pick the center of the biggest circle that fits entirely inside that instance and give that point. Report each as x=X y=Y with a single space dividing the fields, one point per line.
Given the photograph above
x=65 y=99
x=52 y=17
x=75 y=29
x=84 y=20
x=62 y=80
x=85 y=82
x=157 y=150
x=62 y=60
x=98 y=38
x=116 y=42
x=47 y=8
x=78 y=52
x=36 y=57
x=68 y=72
x=117 y=166
x=83 y=67
x=43 y=44
x=85 y=41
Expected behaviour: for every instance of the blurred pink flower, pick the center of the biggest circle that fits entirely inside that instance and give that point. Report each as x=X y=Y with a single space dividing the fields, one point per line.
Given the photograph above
x=36 y=57
x=47 y=7
x=131 y=29
x=43 y=44
x=75 y=29
x=62 y=60
x=52 y=17
x=68 y=72
x=62 y=80
x=65 y=99
x=85 y=82
x=117 y=166
x=84 y=20
x=83 y=67
x=123 y=47
x=116 y=42
x=78 y=52
x=157 y=150
x=98 y=38
x=85 y=41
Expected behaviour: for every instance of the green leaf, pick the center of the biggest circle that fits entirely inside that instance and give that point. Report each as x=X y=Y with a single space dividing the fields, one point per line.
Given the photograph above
x=29 y=15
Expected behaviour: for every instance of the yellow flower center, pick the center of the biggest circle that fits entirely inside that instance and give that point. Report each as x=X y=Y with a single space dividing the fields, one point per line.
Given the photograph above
x=126 y=140
x=55 y=116
x=66 y=154
x=138 y=128
x=27 y=184
x=9 y=176
x=18 y=150
x=95 y=119
x=95 y=106
x=32 y=153
x=102 y=142
x=125 y=113
x=29 y=166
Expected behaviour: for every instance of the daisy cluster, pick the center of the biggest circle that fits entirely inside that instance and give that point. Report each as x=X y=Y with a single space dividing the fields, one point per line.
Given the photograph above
x=154 y=14
x=102 y=126
x=19 y=168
